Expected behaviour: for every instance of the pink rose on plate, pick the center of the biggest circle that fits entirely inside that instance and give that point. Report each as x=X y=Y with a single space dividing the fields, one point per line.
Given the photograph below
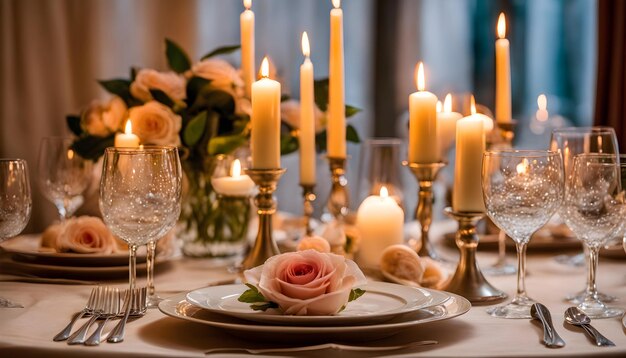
x=306 y=282
x=85 y=235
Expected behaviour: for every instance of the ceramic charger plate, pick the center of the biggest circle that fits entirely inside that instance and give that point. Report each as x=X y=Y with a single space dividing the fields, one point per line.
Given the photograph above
x=381 y=302
x=178 y=307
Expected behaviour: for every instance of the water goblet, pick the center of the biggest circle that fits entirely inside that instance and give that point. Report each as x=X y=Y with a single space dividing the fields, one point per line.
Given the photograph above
x=522 y=189
x=571 y=141
x=593 y=209
x=140 y=195
x=15 y=203
x=63 y=174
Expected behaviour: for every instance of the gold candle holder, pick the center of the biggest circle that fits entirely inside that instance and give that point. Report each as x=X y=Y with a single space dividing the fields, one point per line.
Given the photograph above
x=309 y=197
x=425 y=173
x=264 y=245
x=338 y=202
x=468 y=281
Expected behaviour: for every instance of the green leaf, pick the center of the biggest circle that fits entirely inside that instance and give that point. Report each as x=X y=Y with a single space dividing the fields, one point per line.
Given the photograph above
x=351 y=110
x=194 y=86
x=195 y=129
x=177 y=59
x=90 y=147
x=263 y=306
x=162 y=97
x=288 y=143
x=355 y=293
x=320 y=89
x=224 y=50
x=225 y=144
x=120 y=87
x=133 y=73
x=251 y=295
x=320 y=142
x=285 y=97
x=73 y=123
x=215 y=99
x=352 y=135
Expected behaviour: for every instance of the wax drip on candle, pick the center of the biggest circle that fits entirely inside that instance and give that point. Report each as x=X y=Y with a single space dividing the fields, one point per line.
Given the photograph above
x=501 y=27
x=306 y=49
x=247 y=4
x=235 y=170
x=336 y=4
x=447 y=103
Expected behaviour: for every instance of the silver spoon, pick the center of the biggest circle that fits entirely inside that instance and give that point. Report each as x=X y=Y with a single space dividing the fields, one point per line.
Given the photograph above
x=576 y=317
x=550 y=338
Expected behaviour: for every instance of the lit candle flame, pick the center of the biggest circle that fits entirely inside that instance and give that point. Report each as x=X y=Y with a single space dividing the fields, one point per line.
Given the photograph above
x=421 y=83
x=247 y=4
x=438 y=106
x=336 y=4
x=70 y=154
x=447 y=103
x=306 y=49
x=265 y=68
x=501 y=26
x=542 y=104
x=235 y=170
x=522 y=168
x=129 y=127
x=472 y=105
x=384 y=193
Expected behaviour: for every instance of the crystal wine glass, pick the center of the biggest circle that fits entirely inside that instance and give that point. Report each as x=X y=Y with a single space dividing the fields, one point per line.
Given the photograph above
x=63 y=175
x=571 y=141
x=140 y=195
x=15 y=203
x=593 y=208
x=522 y=189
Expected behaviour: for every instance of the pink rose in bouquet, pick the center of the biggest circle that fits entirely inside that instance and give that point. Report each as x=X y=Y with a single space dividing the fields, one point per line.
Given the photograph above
x=85 y=235
x=304 y=283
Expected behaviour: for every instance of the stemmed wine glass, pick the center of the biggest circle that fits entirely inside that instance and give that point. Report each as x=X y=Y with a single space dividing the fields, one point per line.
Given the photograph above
x=63 y=175
x=571 y=141
x=140 y=195
x=522 y=189
x=593 y=208
x=15 y=204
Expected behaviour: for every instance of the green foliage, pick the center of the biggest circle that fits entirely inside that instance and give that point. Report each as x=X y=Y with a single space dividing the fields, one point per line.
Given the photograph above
x=161 y=97
x=351 y=110
x=91 y=147
x=320 y=90
x=120 y=87
x=195 y=129
x=194 y=86
x=226 y=144
x=256 y=299
x=224 y=50
x=215 y=99
x=288 y=143
x=355 y=293
x=177 y=59
x=73 y=123
x=352 y=135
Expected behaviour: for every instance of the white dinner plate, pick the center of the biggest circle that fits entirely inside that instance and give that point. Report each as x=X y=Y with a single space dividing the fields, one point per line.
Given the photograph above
x=381 y=302
x=178 y=307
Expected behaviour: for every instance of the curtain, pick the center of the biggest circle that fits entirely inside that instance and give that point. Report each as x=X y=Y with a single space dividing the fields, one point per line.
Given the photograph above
x=52 y=53
x=611 y=84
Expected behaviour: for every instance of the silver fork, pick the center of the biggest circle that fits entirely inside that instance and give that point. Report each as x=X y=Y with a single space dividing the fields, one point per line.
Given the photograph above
x=79 y=336
x=111 y=309
x=89 y=307
x=134 y=305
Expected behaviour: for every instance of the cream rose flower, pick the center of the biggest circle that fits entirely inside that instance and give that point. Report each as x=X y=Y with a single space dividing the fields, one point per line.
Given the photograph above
x=101 y=119
x=316 y=243
x=171 y=83
x=156 y=124
x=85 y=235
x=290 y=114
x=307 y=282
x=224 y=77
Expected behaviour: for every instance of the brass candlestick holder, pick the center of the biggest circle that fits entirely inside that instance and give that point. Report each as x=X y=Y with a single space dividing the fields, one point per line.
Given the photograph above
x=468 y=281
x=338 y=202
x=264 y=245
x=309 y=197
x=425 y=173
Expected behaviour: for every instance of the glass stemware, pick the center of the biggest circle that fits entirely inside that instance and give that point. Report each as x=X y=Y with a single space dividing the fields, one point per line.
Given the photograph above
x=571 y=141
x=522 y=190
x=15 y=203
x=380 y=166
x=140 y=195
x=63 y=175
x=593 y=208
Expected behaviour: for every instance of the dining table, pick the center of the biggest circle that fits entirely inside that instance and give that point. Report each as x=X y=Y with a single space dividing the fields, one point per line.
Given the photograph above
x=49 y=303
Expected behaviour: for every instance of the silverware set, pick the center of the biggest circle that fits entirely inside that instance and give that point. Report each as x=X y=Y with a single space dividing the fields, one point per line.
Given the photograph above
x=573 y=316
x=104 y=304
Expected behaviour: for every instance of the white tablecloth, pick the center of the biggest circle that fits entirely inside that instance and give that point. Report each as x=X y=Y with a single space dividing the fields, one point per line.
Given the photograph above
x=28 y=331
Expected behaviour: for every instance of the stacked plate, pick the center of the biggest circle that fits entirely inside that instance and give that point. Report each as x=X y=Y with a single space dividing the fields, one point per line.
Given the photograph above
x=23 y=256
x=384 y=310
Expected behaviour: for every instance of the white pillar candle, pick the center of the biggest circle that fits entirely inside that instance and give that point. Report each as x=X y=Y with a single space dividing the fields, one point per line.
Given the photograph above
x=126 y=139
x=247 y=46
x=234 y=185
x=467 y=194
x=503 y=74
x=380 y=222
x=423 y=147
x=265 y=136
x=307 y=117
x=446 y=126
x=336 y=142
